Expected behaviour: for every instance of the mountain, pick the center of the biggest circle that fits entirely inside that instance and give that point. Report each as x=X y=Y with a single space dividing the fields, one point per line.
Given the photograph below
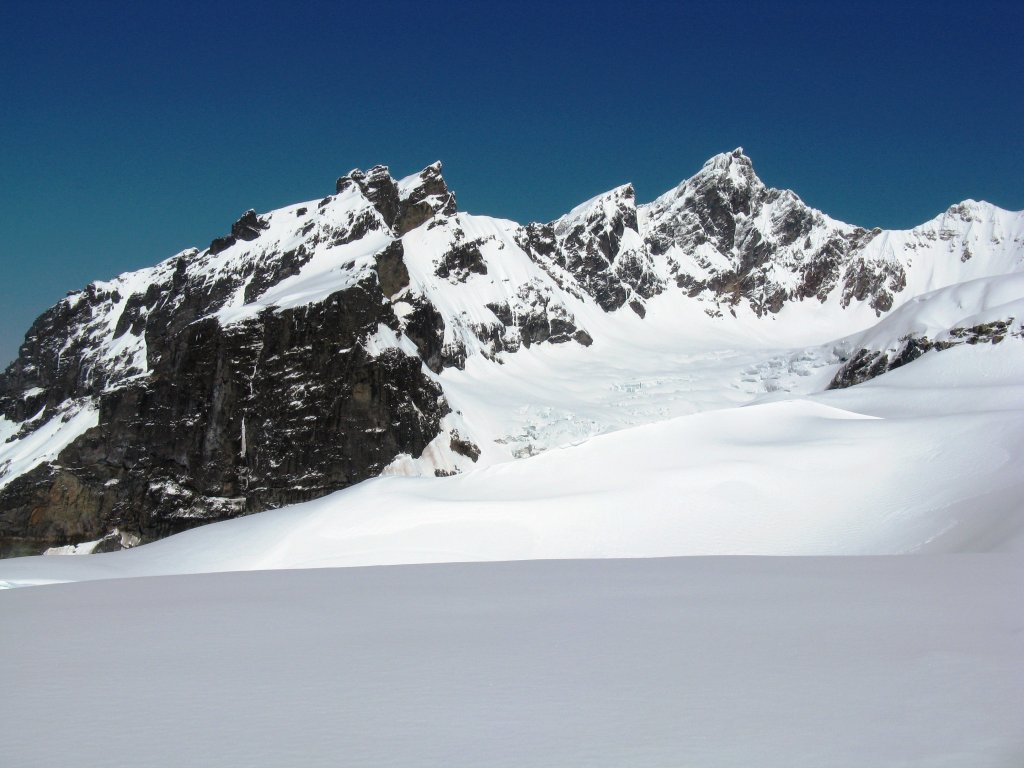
x=380 y=330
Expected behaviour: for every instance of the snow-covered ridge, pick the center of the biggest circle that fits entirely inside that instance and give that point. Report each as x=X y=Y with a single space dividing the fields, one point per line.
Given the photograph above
x=333 y=242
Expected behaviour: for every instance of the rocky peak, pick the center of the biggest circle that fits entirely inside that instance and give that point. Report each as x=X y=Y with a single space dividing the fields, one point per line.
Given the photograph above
x=971 y=210
x=404 y=204
x=727 y=178
x=427 y=183
x=730 y=239
x=736 y=161
x=423 y=195
x=378 y=187
x=363 y=179
x=599 y=244
x=615 y=209
x=249 y=226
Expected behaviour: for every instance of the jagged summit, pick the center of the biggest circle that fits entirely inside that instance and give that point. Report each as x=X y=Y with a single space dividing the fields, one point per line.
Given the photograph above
x=724 y=161
x=406 y=203
x=605 y=201
x=308 y=348
x=975 y=210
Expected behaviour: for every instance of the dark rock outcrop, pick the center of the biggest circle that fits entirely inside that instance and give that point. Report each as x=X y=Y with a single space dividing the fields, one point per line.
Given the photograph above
x=403 y=210
x=283 y=408
x=464 y=447
x=392 y=274
x=593 y=246
x=248 y=227
x=201 y=419
x=459 y=261
x=427 y=198
x=867 y=364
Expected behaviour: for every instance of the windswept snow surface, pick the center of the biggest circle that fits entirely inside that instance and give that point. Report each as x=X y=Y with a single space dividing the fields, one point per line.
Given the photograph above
x=711 y=662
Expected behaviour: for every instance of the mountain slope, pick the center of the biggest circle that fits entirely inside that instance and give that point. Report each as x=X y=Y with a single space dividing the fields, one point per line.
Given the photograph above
x=920 y=460
x=328 y=342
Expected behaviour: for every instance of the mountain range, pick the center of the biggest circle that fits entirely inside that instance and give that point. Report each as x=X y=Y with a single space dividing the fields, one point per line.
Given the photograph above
x=382 y=331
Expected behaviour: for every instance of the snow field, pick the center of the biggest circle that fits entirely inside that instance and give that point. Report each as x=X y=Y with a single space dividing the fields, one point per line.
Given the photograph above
x=712 y=662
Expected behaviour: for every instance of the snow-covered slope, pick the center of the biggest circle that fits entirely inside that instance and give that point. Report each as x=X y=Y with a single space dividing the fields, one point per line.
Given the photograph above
x=920 y=460
x=712 y=662
x=987 y=310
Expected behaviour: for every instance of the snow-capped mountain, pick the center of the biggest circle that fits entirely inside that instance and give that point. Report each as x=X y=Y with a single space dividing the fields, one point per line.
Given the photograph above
x=381 y=330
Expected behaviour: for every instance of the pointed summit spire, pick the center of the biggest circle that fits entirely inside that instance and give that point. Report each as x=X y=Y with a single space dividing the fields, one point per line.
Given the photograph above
x=735 y=163
x=422 y=196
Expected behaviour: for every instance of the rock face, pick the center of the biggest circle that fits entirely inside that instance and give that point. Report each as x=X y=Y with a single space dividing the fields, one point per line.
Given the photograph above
x=728 y=238
x=200 y=418
x=302 y=352
x=599 y=244
x=867 y=364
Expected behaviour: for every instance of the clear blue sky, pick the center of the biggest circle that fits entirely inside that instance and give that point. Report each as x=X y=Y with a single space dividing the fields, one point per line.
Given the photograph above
x=131 y=131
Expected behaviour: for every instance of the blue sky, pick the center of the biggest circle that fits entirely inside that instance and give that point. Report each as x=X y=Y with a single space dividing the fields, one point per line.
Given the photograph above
x=129 y=132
